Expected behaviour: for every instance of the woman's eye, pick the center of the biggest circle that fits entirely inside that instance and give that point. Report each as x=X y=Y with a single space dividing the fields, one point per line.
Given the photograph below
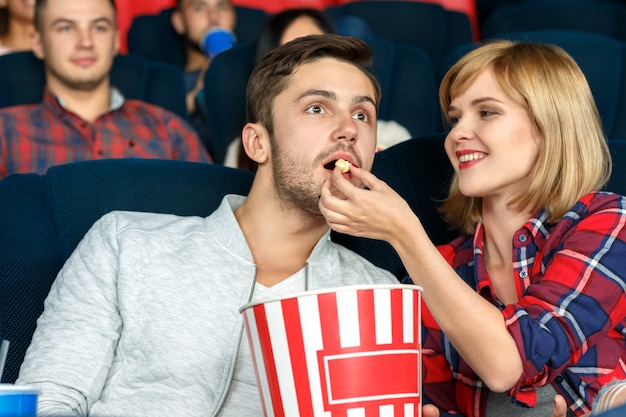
x=487 y=113
x=453 y=120
x=315 y=109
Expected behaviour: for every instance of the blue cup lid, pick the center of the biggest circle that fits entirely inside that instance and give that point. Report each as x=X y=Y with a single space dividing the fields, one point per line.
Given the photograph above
x=217 y=40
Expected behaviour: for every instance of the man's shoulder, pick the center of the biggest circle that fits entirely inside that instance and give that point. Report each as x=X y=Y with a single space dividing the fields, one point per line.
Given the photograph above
x=22 y=110
x=135 y=223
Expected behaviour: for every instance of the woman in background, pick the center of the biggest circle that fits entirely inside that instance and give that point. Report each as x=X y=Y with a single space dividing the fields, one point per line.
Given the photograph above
x=16 y=25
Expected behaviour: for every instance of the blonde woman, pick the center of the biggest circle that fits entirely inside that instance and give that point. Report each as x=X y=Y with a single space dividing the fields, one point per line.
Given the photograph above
x=528 y=302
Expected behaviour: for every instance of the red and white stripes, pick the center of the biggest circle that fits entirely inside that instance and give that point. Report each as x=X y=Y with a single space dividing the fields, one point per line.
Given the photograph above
x=346 y=352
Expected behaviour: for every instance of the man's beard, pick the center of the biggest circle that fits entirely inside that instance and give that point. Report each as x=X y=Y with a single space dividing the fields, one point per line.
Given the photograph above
x=293 y=188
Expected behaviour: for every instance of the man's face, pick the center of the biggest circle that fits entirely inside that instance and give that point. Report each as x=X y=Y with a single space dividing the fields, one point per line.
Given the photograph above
x=326 y=112
x=198 y=16
x=78 y=42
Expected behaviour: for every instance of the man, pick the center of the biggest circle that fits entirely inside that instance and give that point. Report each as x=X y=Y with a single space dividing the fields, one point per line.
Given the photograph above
x=81 y=115
x=192 y=19
x=143 y=320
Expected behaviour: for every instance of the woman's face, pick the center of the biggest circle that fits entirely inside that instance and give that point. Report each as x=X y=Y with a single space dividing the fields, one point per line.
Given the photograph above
x=302 y=26
x=493 y=144
x=21 y=9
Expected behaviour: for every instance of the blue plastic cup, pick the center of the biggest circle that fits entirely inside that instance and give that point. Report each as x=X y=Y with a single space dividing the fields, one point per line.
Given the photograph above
x=217 y=40
x=18 y=401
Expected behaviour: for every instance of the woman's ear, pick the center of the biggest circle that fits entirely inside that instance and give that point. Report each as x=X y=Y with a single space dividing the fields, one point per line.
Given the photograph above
x=255 y=141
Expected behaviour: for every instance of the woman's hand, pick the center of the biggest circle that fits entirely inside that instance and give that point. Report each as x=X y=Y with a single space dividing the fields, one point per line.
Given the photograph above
x=377 y=212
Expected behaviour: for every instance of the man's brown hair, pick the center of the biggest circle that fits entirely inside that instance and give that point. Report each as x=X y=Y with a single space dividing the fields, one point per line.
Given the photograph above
x=271 y=76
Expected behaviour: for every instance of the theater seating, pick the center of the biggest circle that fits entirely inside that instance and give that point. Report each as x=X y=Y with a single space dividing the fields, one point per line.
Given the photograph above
x=428 y=26
x=468 y=7
x=409 y=91
x=484 y=8
x=604 y=18
x=22 y=81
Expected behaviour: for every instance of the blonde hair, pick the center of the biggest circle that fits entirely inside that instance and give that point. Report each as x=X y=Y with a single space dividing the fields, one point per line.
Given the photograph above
x=574 y=158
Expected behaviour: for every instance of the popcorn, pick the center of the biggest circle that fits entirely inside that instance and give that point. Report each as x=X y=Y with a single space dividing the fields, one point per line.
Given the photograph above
x=343 y=165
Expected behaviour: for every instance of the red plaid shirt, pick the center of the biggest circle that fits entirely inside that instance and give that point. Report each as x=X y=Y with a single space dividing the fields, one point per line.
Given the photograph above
x=569 y=320
x=34 y=137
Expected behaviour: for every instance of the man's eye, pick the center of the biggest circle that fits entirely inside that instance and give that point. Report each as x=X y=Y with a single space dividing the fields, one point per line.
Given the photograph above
x=315 y=109
x=364 y=117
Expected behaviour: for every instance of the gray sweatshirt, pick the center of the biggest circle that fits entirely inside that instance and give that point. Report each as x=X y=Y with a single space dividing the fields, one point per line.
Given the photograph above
x=143 y=319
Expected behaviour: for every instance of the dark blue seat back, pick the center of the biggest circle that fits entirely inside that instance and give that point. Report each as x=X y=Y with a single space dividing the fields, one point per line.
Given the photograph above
x=604 y=18
x=426 y=25
x=617 y=183
x=22 y=81
x=43 y=217
x=153 y=37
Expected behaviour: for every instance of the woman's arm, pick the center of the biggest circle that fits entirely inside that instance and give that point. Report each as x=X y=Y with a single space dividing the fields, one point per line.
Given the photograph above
x=474 y=326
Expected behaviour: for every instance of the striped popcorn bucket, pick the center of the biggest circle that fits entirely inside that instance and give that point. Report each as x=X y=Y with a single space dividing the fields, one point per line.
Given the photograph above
x=353 y=351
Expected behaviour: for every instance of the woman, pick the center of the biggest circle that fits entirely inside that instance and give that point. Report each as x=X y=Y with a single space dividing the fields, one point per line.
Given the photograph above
x=529 y=301
x=16 y=25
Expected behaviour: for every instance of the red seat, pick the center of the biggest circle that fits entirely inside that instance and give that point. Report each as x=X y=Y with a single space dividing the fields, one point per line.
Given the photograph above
x=275 y=6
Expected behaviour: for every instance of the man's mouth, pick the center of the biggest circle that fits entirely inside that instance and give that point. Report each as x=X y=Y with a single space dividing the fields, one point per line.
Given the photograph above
x=342 y=162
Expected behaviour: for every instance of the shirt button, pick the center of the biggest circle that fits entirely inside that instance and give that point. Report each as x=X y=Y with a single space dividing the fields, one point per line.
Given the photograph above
x=523 y=273
x=522 y=238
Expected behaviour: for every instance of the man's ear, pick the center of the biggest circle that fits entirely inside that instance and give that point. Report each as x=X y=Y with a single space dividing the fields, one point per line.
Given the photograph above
x=177 y=22
x=255 y=141
x=37 y=44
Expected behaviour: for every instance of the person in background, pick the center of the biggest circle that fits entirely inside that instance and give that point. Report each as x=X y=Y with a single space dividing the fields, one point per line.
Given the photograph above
x=287 y=25
x=192 y=19
x=143 y=319
x=82 y=116
x=16 y=25
x=529 y=301
x=281 y=28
